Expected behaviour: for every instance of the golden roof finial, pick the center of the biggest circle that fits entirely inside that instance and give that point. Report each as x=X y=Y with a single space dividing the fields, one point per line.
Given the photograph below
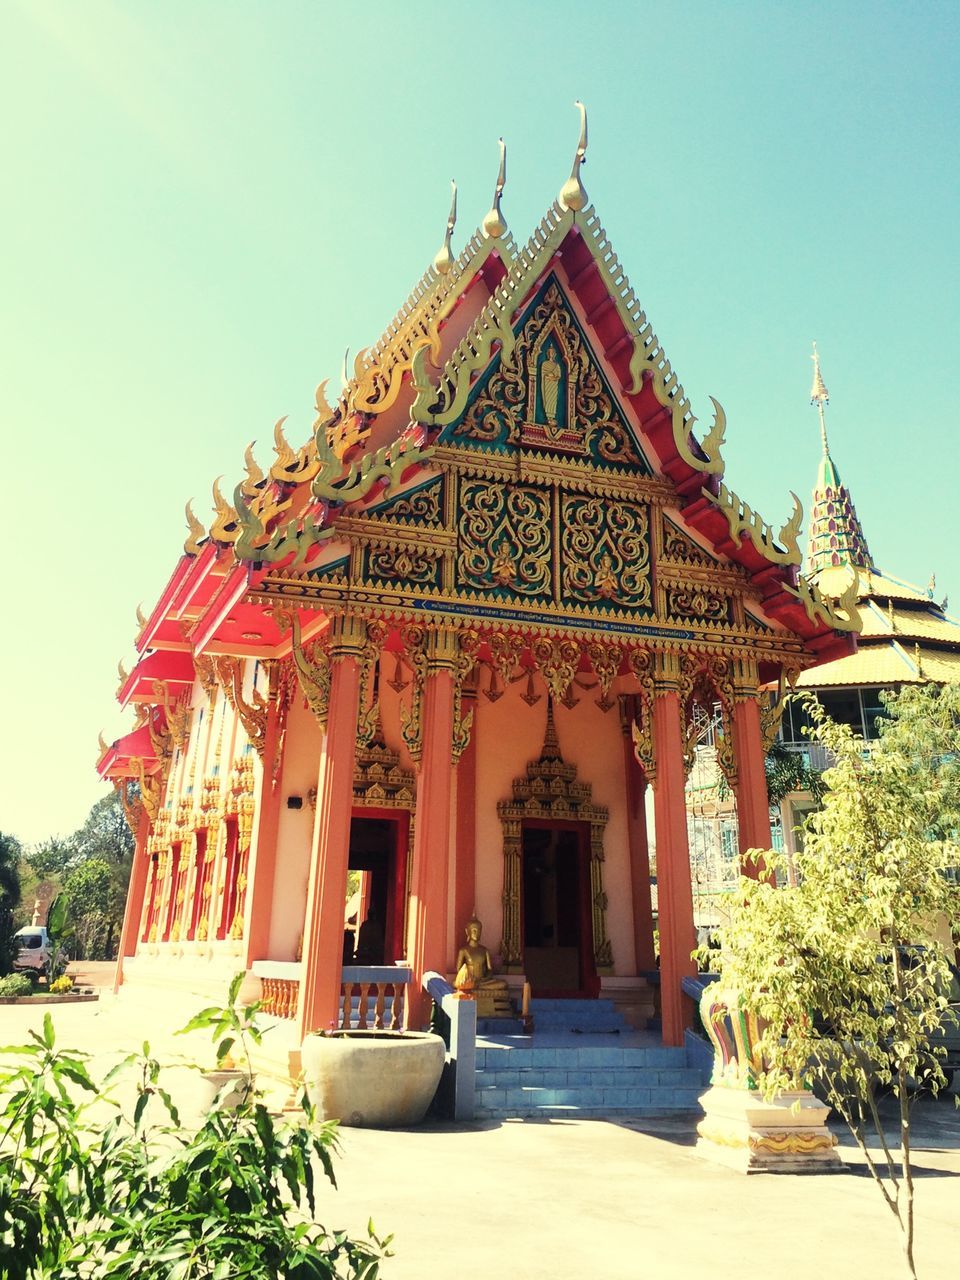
x=931 y=586
x=122 y=673
x=573 y=194
x=493 y=224
x=444 y=259
x=344 y=373
x=141 y=620
x=104 y=746
x=197 y=531
x=820 y=396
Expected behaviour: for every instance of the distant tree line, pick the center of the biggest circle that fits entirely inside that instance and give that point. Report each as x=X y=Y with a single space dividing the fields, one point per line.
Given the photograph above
x=91 y=867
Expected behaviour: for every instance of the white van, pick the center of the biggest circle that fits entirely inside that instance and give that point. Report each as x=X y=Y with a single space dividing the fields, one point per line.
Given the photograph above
x=34 y=950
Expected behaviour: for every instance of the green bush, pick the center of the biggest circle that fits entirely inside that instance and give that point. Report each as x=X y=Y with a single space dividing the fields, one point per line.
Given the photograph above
x=16 y=984
x=139 y=1197
x=60 y=986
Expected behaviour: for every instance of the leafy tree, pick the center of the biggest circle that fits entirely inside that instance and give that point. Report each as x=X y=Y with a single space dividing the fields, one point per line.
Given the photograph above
x=10 y=853
x=788 y=771
x=847 y=970
x=92 y=892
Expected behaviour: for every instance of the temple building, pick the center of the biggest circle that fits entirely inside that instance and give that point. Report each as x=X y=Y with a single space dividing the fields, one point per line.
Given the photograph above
x=448 y=643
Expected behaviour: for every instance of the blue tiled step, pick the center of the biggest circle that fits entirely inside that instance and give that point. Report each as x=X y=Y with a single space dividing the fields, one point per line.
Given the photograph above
x=589 y=1081
x=576 y=1015
x=528 y=1054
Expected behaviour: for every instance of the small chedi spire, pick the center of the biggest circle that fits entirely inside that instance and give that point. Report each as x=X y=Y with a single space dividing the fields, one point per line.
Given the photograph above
x=444 y=259
x=573 y=194
x=551 y=743
x=836 y=538
x=493 y=223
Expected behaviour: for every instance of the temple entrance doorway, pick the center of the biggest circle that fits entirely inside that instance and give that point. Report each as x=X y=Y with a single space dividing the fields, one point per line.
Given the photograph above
x=378 y=851
x=557 y=944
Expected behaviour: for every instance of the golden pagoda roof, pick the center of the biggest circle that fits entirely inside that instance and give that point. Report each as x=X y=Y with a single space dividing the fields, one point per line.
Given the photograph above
x=906 y=638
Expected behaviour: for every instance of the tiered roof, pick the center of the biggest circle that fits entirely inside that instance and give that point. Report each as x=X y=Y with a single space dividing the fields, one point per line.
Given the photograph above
x=906 y=636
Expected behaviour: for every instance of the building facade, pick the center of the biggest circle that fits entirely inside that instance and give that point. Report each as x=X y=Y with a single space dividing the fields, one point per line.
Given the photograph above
x=451 y=640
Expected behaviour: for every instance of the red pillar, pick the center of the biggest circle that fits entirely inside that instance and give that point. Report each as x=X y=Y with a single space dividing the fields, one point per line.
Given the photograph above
x=133 y=911
x=637 y=843
x=753 y=805
x=323 y=924
x=675 y=894
x=431 y=845
x=465 y=889
x=262 y=859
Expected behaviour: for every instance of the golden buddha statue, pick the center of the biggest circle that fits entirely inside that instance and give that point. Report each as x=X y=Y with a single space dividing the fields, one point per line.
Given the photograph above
x=476 y=979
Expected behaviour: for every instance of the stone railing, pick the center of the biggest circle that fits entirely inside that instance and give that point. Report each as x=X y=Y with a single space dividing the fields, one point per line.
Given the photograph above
x=279 y=986
x=372 y=997
x=456 y=1020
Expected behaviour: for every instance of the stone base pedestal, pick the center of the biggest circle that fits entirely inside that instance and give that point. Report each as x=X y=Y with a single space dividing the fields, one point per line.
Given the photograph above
x=787 y=1135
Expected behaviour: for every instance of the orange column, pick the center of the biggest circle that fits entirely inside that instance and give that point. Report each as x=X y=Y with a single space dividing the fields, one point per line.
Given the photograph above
x=431 y=845
x=753 y=805
x=323 y=924
x=465 y=889
x=262 y=860
x=675 y=894
x=636 y=782
x=136 y=890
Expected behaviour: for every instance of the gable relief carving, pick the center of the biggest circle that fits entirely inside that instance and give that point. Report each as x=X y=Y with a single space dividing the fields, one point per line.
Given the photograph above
x=550 y=396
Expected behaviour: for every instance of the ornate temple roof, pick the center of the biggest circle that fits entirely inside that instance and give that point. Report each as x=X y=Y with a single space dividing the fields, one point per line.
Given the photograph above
x=906 y=637
x=314 y=526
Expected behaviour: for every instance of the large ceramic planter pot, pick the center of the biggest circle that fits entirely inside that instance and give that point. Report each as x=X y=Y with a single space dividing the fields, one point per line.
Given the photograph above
x=373 y=1079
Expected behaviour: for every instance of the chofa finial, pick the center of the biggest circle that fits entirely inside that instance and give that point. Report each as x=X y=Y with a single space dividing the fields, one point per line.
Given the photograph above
x=573 y=194
x=493 y=224
x=444 y=259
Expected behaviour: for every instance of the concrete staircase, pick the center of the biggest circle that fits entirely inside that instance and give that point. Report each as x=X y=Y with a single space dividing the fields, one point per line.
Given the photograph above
x=583 y=1061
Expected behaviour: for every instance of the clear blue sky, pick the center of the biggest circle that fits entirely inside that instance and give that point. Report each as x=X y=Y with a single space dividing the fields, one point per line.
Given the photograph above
x=206 y=201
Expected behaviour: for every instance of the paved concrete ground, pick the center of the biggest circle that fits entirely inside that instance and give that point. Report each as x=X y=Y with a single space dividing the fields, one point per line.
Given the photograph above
x=578 y=1200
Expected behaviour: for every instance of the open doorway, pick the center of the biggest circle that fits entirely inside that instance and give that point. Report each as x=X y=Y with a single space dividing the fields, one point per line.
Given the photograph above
x=557 y=934
x=378 y=853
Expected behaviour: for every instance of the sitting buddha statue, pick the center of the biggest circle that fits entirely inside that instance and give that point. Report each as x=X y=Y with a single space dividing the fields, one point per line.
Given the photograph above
x=476 y=979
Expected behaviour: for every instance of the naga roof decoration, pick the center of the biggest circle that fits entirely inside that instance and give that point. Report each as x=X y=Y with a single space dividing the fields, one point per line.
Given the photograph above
x=535 y=461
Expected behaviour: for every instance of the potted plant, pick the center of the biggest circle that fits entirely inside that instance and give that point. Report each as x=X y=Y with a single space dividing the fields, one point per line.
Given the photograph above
x=233 y=1028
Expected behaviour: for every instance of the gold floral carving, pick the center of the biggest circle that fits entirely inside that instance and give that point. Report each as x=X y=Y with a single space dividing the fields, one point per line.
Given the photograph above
x=642 y=665
x=697 y=602
x=207 y=675
x=253 y=713
x=773 y=707
x=606 y=551
x=606 y=660
x=403 y=564
x=369 y=717
x=411 y=715
x=504 y=539
x=550 y=791
x=677 y=546
x=313 y=672
x=782 y=548
x=557 y=661
x=132 y=806
x=421 y=506
x=468 y=648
